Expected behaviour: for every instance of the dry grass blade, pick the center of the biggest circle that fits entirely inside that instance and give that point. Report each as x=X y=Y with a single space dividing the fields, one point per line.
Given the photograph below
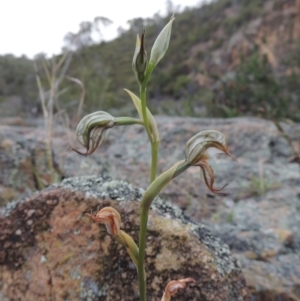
x=47 y=119
x=82 y=96
x=41 y=91
x=49 y=99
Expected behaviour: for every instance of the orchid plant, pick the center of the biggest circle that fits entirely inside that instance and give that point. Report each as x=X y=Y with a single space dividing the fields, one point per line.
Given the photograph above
x=91 y=132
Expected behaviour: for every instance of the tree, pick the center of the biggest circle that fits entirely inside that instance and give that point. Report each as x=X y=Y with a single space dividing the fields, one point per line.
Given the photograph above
x=89 y=33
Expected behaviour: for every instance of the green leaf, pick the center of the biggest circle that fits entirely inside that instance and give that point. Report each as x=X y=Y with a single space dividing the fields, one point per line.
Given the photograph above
x=138 y=105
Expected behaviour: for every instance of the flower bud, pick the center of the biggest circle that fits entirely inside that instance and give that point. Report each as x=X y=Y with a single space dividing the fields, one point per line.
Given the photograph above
x=140 y=61
x=91 y=130
x=173 y=287
x=161 y=43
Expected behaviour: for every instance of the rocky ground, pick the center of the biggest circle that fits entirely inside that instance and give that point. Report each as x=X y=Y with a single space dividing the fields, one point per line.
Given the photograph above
x=259 y=219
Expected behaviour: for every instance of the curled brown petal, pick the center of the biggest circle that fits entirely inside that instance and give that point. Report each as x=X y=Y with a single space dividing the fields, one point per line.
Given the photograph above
x=96 y=138
x=209 y=178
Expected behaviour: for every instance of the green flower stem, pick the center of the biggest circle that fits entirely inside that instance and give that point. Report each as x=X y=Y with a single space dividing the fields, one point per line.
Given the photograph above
x=144 y=111
x=128 y=121
x=153 y=190
x=143 y=210
x=154 y=144
x=160 y=182
x=154 y=160
x=142 y=243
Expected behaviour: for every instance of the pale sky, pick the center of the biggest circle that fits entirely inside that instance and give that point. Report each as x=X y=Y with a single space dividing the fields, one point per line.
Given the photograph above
x=34 y=26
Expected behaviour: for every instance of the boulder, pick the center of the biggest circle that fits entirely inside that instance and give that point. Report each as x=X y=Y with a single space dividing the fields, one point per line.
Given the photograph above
x=263 y=234
x=51 y=250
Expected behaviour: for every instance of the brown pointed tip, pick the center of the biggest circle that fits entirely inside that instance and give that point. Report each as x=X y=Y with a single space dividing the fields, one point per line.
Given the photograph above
x=79 y=152
x=218 y=191
x=230 y=155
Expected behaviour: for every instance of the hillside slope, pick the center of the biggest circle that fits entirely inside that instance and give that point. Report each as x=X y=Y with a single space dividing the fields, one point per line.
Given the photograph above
x=229 y=57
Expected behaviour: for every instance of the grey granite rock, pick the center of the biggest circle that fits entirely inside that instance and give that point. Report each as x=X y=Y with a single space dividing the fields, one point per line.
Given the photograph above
x=259 y=219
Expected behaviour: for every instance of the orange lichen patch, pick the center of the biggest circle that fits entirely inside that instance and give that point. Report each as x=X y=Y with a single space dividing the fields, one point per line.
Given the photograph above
x=285 y=236
x=6 y=144
x=70 y=237
x=6 y=195
x=258 y=276
x=62 y=257
x=175 y=241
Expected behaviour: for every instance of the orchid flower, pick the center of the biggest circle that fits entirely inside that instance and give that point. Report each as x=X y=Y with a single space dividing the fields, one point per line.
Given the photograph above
x=109 y=217
x=200 y=148
x=91 y=129
x=173 y=287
